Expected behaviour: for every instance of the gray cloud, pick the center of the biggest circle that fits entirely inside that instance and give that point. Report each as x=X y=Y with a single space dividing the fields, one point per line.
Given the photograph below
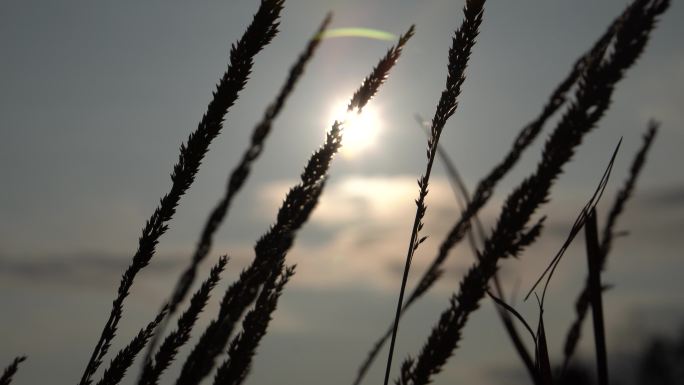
x=96 y=269
x=671 y=197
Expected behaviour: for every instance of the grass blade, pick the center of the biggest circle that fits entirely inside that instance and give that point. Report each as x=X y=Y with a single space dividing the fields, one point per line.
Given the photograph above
x=577 y=225
x=595 y=296
x=515 y=313
x=124 y=359
x=582 y=302
x=543 y=363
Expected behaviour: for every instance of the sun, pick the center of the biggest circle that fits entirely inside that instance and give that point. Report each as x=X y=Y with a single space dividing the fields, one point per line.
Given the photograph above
x=360 y=131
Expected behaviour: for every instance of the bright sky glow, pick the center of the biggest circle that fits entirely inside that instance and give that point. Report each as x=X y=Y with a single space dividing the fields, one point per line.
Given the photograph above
x=360 y=131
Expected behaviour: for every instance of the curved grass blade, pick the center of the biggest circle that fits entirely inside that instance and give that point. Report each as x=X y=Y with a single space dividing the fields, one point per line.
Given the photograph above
x=609 y=233
x=577 y=226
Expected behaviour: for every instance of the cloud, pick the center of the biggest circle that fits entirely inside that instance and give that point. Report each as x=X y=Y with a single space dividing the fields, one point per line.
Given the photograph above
x=358 y=236
x=359 y=232
x=87 y=269
x=668 y=197
x=378 y=199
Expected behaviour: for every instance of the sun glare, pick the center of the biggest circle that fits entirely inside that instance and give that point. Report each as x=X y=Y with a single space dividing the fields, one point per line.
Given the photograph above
x=360 y=131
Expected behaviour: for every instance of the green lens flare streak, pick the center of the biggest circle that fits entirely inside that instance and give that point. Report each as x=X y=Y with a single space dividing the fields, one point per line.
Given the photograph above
x=357 y=32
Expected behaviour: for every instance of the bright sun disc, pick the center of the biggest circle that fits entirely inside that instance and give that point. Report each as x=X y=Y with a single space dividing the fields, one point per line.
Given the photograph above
x=360 y=131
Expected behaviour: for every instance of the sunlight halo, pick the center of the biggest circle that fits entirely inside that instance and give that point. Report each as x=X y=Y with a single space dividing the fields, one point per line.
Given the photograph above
x=360 y=131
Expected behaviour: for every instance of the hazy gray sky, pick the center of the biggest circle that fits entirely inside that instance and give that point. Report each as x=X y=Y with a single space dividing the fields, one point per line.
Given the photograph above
x=95 y=99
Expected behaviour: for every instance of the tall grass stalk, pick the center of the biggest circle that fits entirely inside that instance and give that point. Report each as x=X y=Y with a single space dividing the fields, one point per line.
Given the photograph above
x=238 y=177
x=503 y=310
x=153 y=368
x=260 y=32
x=592 y=98
x=485 y=189
x=11 y=370
x=229 y=342
x=462 y=45
x=271 y=249
x=242 y=349
x=124 y=359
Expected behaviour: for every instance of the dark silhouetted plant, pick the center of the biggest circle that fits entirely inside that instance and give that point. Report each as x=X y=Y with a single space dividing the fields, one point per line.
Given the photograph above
x=271 y=249
x=239 y=176
x=229 y=341
x=592 y=98
x=153 y=369
x=582 y=302
x=263 y=28
x=462 y=45
x=10 y=370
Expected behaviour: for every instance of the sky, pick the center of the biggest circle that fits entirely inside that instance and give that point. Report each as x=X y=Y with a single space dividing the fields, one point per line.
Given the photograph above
x=96 y=98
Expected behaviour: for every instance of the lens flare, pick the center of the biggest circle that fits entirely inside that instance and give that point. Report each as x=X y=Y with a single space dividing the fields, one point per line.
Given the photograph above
x=368 y=33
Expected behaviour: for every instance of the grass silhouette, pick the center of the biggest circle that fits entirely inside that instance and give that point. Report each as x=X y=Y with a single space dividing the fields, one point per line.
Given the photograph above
x=226 y=347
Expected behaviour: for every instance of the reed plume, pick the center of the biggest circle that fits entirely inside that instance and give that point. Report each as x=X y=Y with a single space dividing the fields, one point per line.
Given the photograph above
x=124 y=359
x=592 y=98
x=485 y=189
x=626 y=192
x=235 y=369
x=271 y=249
x=241 y=172
x=153 y=369
x=458 y=187
x=238 y=177
x=526 y=136
x=11 y=370
x=463 y=42
x=260 y=32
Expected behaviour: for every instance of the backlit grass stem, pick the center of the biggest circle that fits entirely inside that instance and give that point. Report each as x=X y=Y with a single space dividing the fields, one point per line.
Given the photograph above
x=271 y=249
x=592 y=98
x=462 y=45
x=260 y=32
